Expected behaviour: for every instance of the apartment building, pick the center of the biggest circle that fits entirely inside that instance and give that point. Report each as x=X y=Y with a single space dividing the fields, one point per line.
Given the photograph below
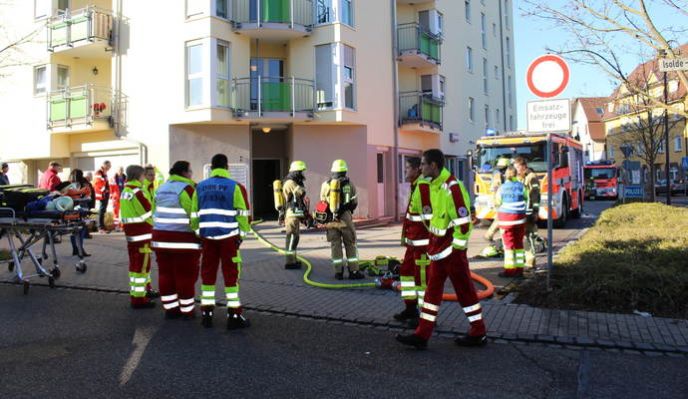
x=264 y=81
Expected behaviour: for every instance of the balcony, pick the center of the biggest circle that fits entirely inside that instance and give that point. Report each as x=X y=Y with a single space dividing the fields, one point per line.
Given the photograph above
x=83 y=108
x=277 y=98
x=418 y=48
x=420 y=112
x=86 y=32
x=276 y=20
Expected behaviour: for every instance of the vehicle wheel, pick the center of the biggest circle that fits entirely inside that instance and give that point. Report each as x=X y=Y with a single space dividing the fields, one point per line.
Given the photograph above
x=51 y=282
x=81 y=267
x=10 y=267
x=561 y=222
x=26 y=287
x=578 y=212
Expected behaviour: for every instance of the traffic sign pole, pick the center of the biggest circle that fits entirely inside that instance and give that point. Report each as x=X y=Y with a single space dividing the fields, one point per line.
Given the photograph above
x=549 y=211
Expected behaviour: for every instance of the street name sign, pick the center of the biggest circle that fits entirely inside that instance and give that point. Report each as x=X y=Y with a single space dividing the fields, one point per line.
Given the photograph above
x=673 y=64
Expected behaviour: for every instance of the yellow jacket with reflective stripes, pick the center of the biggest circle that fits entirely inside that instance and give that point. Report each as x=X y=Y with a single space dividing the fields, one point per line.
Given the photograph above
x=451 y=206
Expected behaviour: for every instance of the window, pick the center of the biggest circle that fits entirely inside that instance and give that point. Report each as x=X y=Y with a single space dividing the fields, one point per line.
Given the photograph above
x=222 y=60
x=194 y=74
x=347 y=12
x=498 y=119
x=432 y=85
x=194 y=7
x=469 y=59
x=661 y=147
x=494 y=29
x=485 y=73
x=221 y=8
x=508 y=91
x=673 y=86
x=487 y=116
x=42 y=8
x=678 y=144
x=323 y=9
x=483 y=29
x=324 y=81
x=348 y=77
x=62 y=77
x=62 y=6
x=380 y=168
x=471 y=109
x=468 y=10
x=511 y=123
x=611 y=152
x=508 y=51
x=40 y=77
x=496 y=72
x=431 y=21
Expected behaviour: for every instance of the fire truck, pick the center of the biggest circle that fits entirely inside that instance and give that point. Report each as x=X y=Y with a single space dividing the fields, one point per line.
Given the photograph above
x=601 y=180
x=567 y=159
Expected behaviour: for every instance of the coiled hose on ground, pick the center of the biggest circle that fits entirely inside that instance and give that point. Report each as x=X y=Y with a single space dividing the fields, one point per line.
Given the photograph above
x=482 y=294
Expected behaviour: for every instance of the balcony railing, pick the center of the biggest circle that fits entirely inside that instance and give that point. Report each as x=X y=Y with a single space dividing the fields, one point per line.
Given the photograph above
x=414 y=39
x=79 y=26
x=420 y=108
x=291 y=12
x=82 y=105
x=254 y=97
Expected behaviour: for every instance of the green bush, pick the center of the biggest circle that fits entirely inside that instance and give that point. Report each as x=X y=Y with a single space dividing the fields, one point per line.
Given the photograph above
x=634 y=258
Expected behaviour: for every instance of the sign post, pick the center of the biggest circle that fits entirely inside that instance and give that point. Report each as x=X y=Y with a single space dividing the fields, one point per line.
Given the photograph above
x=547 y=77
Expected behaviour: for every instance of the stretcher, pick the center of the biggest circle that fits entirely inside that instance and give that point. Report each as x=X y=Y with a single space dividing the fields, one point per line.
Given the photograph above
x=27 y=231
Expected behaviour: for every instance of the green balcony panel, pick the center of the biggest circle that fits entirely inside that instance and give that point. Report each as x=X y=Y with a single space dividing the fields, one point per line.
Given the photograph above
x=58 y=108
x=275 y=10
x=429 y=46
x=431 y=112
x=78 y=106
x=58 y=34
x=276 y=97
x=79 y=29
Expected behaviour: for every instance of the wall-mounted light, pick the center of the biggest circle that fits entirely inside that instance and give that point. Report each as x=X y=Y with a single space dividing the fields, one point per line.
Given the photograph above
x=95 y=70
x=267 y=130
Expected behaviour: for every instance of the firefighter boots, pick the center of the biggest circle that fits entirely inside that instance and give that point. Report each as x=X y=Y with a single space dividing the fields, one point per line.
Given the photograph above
x=236 y=321
x=207 y=318
x=413 y=340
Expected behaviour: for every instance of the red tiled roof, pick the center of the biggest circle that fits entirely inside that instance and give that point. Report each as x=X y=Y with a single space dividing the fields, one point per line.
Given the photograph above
x=590 y=106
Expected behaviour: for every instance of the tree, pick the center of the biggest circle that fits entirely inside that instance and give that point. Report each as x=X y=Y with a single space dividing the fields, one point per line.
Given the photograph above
x=642 y=123
x=604 y=32
x=12 y=43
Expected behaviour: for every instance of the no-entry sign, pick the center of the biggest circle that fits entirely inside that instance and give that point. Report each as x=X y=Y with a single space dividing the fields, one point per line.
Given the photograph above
x=547 y=76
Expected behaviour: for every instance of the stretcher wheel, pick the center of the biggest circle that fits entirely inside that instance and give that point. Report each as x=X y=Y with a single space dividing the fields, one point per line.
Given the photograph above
x=56 y=273
x=81 y=267
x=26 y=287
x=51 y=282
x=10 y=267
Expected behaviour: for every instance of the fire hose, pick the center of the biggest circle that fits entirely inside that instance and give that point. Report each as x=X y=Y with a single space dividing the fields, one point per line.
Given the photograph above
x=482 y=294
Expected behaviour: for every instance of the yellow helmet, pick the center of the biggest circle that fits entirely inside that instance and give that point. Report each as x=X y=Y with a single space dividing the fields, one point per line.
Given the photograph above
x=339 y=166
x=297 y=166
x=503 y=162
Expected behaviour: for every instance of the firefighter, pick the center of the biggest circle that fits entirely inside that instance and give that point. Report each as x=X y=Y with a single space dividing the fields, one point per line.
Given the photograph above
x=493 y=248
x=512 y=199
x=294 y=194
x=528 y=177
x=340 y=193
x=221 y=217
x=450 y=228
x=177 y=249
x=415 y=237
x=137 y=218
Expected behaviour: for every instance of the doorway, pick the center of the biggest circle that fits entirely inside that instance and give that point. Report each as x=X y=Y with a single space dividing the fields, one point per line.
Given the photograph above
x=381 y=200
x=265 y=171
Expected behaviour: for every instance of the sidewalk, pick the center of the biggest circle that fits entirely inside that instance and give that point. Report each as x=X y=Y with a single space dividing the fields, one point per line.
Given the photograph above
x=267 y=287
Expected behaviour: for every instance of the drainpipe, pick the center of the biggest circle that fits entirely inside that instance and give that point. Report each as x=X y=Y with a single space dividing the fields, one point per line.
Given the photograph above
x=118 y=70
x=395 y=93
x=501 y=48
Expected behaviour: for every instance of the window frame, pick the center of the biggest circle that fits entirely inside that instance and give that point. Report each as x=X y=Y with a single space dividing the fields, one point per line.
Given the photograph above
x=486 y=90
x=59 y=67
x=483 y=30
x=48 y=12
x=348 y=80
x=45 y=68
x=198 y=75
x=194 y=13
x=471 y=109
x=678 y=143
x=215 y=8
x=467 y=10
x=217 y=77
x=351 y=7
x=469 y=59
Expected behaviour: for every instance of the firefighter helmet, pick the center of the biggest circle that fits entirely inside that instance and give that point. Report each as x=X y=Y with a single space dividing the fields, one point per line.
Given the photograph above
x=339 y=166
x=297 y=166
x=503 y=162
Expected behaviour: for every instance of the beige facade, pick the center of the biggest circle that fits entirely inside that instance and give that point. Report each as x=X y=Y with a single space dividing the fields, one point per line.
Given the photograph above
x=263 y=81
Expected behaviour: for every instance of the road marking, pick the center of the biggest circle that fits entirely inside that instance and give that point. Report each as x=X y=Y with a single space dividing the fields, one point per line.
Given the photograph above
x=583 y=375
x=142 y=337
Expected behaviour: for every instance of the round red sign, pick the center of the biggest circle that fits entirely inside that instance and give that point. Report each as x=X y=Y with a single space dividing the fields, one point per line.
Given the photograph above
x=547 y=76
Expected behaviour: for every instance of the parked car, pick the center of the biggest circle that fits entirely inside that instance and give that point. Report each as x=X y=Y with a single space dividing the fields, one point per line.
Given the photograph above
x=677 y=187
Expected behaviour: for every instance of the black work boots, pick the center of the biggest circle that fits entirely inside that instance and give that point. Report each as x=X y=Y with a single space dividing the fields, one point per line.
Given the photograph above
x=413 y=340
x=293 y=266
x=356 y=275
x=236 y=321
x=207 y=318
x=408 y=315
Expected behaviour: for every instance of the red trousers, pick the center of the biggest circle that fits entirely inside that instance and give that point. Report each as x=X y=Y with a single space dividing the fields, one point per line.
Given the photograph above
x=226 y=252
x=410 y=270
x=512 y=236
x=140 y=254
x=454 y=266
x=178 y=272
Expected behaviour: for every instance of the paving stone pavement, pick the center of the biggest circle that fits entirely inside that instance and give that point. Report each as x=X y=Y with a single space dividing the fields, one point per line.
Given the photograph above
x=267 y=287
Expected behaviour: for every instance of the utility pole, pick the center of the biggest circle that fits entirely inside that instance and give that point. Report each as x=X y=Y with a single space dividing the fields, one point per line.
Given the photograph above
x=666 y=135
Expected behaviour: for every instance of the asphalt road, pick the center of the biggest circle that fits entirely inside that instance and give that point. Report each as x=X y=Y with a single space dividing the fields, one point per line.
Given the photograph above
x=74 y=343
